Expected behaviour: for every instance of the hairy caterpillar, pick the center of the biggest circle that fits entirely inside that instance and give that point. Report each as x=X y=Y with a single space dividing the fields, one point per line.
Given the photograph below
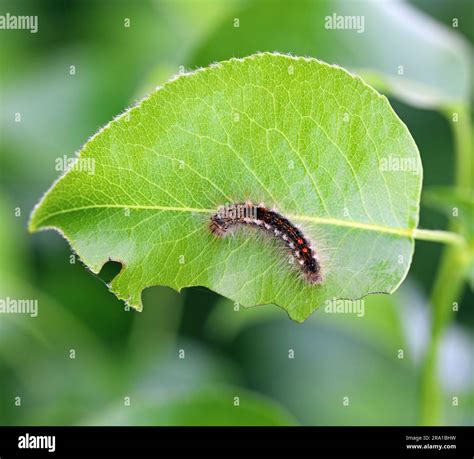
x=259 y=216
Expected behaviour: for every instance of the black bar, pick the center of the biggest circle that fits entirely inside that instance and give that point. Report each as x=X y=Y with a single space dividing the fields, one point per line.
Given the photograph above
x=380 y=442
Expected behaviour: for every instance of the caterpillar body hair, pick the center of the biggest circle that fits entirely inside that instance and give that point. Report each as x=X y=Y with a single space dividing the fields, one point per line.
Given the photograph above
x=270 y=221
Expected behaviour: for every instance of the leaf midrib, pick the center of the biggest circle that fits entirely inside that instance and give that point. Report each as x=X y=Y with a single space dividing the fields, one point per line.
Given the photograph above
x=402 y=232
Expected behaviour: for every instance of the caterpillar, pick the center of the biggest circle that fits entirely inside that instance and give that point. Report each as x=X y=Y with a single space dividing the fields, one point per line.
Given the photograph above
x=227 y=217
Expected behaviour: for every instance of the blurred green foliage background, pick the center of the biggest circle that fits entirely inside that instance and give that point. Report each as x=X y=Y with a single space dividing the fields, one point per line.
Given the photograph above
x=128 y=367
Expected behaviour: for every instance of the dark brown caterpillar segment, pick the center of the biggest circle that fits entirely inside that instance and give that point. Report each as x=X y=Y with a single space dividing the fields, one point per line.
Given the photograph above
x=248 y=214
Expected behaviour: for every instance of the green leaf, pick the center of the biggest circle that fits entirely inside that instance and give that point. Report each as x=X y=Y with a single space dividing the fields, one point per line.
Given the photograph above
x=368 y=371
x=418 y=60
x=293 y=132
x=208 y=406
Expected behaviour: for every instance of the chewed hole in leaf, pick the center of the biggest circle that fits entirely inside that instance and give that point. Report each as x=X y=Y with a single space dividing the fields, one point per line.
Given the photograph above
x=109 y=270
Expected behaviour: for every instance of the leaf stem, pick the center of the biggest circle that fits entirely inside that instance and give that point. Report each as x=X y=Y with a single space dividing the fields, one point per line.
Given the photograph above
x=446 y=292
x=446 y=237
x=449 y=281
